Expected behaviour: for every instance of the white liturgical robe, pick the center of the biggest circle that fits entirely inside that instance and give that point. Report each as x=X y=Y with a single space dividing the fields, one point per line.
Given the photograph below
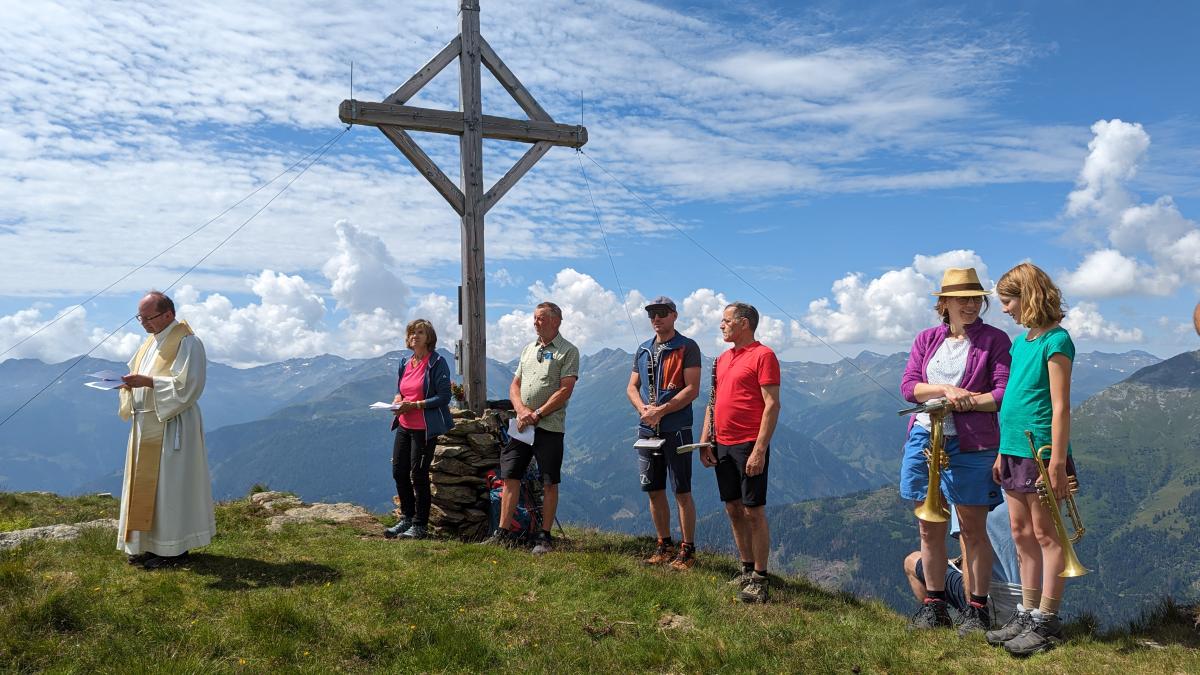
x=183 y=508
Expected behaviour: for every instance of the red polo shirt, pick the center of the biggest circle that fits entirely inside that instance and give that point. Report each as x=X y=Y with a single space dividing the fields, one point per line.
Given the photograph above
x=741 y=373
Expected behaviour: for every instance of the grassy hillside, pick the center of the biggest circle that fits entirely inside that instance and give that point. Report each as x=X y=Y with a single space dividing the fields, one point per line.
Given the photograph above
x=319 y=598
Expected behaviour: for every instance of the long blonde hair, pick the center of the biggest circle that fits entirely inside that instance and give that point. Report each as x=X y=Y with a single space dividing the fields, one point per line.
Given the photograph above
x=1041 y=301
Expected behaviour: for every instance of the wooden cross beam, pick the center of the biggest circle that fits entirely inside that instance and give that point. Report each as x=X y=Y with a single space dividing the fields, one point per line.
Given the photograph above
x=469 y=200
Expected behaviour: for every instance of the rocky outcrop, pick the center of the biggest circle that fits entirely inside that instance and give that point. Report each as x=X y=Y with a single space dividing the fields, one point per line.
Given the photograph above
x=10 y=540
x=289 y=509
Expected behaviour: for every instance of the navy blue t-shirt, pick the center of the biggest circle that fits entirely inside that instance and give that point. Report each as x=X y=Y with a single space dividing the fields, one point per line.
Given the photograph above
x=672 y=358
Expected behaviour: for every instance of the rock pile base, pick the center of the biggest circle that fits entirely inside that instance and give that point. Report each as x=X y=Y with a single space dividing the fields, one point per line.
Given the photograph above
x=461 y=460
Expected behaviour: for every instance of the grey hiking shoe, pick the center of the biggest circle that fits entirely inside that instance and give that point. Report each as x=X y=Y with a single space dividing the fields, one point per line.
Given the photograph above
x=740 y=579
x=974 y=619
x=932 y=614
x=545 y=544
x=755 y=590
x=1044 y=634
x=501 y=537
x=414 y=532
x=1017 y=624
x=399 y=528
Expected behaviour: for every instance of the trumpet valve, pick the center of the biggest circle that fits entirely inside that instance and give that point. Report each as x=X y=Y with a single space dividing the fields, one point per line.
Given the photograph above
x=1072 y=484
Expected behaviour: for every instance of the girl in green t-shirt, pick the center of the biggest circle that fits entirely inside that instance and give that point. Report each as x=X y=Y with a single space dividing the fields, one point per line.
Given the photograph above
x=1037 y=400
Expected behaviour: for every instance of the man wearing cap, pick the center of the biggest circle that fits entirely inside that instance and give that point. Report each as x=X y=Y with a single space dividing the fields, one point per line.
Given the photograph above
x=670 y=363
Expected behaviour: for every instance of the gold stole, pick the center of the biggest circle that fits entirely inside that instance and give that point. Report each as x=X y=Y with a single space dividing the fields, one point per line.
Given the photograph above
x=141 y=476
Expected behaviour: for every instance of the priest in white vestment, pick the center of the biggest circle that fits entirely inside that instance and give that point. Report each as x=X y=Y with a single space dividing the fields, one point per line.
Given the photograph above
x=166 y=500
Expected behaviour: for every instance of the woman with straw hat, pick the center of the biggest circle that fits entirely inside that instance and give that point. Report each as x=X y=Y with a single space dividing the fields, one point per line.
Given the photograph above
x=964 y=361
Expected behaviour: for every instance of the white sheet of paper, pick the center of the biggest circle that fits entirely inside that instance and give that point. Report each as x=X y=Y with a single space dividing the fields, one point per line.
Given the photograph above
x=381 y=405
x=105 y=375
x=523 y=436
x=104 y=385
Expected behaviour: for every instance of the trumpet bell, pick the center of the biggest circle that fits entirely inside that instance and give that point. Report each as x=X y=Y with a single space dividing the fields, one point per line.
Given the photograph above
x=932 y=512
x=1072 y=568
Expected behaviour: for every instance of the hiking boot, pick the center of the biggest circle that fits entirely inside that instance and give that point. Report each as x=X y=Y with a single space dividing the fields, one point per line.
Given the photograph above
x=740 y=579
x=684 y=559
x=975 y=618
x=1018 y=623
x=501 y=537
x=1044 y=634
x=755 y=590
x=415 y=532
x=932 y=614
x=662 y=555
x=545 y=544
x=399 y=528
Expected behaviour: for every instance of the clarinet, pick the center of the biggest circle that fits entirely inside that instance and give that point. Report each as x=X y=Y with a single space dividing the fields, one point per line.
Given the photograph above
x=712 y=418
x=712 y=406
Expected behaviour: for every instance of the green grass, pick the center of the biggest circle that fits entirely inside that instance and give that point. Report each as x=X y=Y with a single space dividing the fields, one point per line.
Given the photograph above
x=22 y=510
x=319 y=598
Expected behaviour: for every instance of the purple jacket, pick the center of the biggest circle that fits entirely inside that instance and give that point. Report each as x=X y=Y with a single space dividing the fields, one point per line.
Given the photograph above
x=988 y=360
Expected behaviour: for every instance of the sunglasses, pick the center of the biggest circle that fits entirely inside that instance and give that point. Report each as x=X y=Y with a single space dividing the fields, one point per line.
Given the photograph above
x=658 y=313
x=546 y=354
x=144 y=319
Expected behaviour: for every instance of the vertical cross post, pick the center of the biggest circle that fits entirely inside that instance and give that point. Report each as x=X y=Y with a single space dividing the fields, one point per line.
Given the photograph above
x=474 y=313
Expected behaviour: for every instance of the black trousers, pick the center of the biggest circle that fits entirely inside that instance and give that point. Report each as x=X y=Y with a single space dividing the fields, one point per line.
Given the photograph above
x=411 y=455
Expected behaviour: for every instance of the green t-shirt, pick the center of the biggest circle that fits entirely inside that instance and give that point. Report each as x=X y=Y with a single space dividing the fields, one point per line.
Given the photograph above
x=1026 y=405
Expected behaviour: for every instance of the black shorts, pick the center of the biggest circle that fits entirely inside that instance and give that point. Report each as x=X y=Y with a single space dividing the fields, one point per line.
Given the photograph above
x=654 y=465
x=547 y=447
x=956 y=595
x=732 y=481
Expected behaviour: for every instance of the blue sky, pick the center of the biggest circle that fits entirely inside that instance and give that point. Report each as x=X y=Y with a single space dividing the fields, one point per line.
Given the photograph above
x=837 y=156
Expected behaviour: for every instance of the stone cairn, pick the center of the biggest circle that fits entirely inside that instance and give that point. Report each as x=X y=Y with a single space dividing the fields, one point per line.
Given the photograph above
x=461 y=460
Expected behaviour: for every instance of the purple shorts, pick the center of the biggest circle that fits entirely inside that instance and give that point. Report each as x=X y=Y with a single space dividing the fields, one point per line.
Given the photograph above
x=1020 y=474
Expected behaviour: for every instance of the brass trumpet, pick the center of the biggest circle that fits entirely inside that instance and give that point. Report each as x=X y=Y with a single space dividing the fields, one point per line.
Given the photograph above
x=1072 y=566
x=934 y=509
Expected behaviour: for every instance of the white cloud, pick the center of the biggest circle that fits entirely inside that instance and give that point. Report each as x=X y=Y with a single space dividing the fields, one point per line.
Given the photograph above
x=890 y=308
x=933 y=266
x=69 y=337
x=1108 y=273
x=157 y=150
x=285 y=323
x=594 y=318
x=361 y=273
x=1114 y=152
x=1085 y=322
x=1153 y=249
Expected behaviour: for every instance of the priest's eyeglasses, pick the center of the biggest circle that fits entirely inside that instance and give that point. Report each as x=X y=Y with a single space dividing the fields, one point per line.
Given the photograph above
x=144 y=319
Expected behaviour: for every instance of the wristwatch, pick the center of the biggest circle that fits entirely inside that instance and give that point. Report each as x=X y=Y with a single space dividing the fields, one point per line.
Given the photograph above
x=538 y=412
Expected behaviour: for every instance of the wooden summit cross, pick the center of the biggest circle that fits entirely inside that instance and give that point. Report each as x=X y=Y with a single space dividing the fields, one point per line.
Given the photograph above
x=471 y=202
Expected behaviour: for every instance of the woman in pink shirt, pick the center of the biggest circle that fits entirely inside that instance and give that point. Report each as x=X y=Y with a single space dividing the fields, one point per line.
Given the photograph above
x=423 y=413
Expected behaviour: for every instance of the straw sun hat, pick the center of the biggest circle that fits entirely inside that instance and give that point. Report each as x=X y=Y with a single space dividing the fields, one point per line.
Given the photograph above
x=961 y=282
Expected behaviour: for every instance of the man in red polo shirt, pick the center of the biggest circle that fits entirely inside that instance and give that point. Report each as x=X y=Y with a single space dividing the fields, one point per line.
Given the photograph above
x=747 y=408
